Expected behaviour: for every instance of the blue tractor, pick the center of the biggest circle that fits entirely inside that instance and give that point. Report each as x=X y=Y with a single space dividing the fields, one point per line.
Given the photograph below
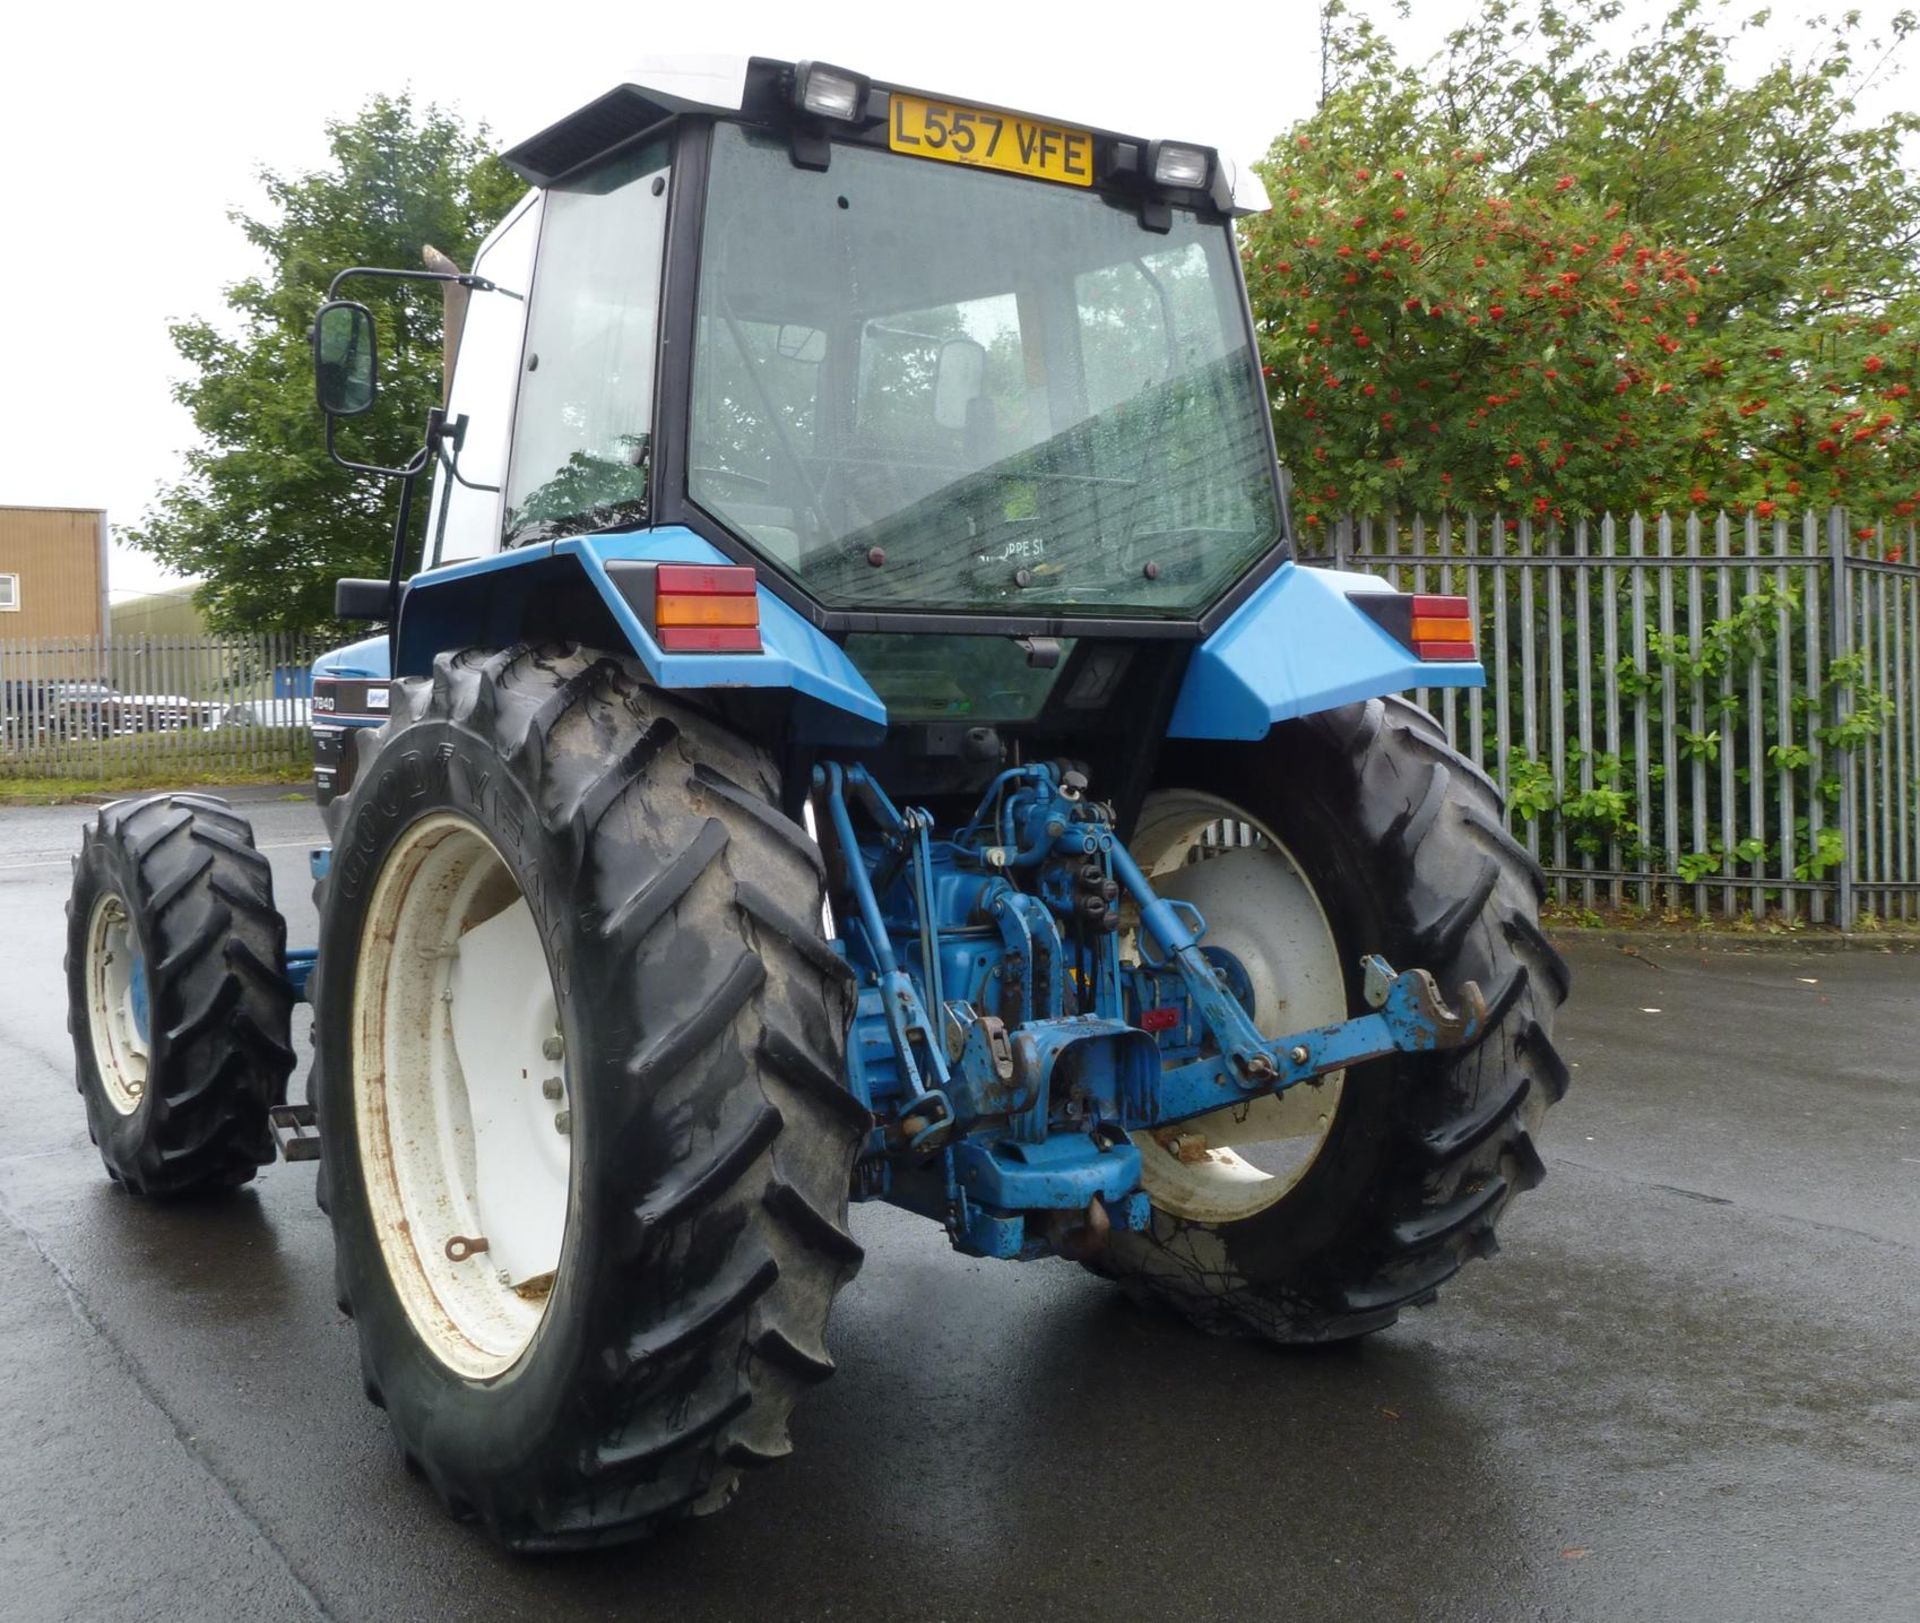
x=858 y=732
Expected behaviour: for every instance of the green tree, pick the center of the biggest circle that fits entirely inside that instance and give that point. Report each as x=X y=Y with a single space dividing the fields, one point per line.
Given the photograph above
x=1566 y=267
x=261 y=513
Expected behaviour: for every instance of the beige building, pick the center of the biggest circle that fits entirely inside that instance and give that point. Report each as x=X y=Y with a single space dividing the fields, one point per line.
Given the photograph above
x=53 y=572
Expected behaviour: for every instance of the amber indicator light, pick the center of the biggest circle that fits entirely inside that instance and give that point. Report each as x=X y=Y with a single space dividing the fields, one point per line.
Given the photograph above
x=706 y=609
x=1442 y=628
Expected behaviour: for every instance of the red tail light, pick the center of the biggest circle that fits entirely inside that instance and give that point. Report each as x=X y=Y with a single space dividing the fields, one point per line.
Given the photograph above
x=706 y=609
x=1442 y=628
x=1437 y=629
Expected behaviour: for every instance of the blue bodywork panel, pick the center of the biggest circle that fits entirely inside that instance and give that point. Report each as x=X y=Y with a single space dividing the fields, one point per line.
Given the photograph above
x=298 y=968
x=365 y=659
x=480 y=601
x=1295 y=647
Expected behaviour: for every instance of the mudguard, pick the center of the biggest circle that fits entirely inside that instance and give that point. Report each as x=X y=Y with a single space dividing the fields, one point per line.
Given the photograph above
x=481 y=601
x=1296 y=646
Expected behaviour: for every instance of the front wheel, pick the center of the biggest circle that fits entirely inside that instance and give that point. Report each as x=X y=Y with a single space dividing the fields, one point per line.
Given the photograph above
x=180 y=1013
x=577 y=1055
x=1318 y=1214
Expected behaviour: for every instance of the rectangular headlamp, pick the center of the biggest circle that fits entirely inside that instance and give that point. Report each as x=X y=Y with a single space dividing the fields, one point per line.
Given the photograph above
x=825 y=91
x=1180 y=167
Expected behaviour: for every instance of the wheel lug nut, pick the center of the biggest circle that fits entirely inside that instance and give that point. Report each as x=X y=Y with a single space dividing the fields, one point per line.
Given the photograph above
x=563 y=1121
x=552 y=1088
x=553 y=1047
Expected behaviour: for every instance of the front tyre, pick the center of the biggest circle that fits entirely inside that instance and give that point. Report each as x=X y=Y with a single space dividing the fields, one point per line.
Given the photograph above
x=578 y=1048
x=1317 y=1215
x=180 y=1013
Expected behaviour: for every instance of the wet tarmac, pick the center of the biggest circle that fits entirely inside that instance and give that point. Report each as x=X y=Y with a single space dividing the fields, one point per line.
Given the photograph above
x=1688 y=1388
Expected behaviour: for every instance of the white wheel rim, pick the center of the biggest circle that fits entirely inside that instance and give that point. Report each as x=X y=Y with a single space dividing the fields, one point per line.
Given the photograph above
x=460 y=1095
x=1260 y=906
x=119 y=1007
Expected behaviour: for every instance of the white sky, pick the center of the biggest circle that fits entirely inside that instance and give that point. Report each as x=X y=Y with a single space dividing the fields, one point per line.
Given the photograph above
x=130 y=130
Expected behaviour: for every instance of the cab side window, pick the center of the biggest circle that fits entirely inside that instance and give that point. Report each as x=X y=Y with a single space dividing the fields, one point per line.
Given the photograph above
x=466 y=522
x=582 y=451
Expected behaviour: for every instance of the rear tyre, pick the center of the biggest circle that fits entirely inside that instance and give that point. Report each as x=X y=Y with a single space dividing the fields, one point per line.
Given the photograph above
x=1399 y=1169
x=692 y=1030
x=180 y=1013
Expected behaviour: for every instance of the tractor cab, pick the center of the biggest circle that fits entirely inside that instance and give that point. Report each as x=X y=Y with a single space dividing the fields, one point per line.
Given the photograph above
x=993 y=367
x=967 y=399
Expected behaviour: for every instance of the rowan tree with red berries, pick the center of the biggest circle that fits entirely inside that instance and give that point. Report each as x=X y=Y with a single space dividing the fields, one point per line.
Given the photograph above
x=1558 y=274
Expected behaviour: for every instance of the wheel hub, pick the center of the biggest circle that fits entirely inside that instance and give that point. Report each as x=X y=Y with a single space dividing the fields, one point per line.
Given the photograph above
x=461 y=1095
x=119 y=1013
x=1269 y=935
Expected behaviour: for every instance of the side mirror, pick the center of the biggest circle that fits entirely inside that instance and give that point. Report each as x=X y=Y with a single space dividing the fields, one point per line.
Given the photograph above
x=346 y=369
x=959 y=379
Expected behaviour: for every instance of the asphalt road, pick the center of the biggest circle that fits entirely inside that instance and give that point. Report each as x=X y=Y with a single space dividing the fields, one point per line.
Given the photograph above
x=1688 y=1388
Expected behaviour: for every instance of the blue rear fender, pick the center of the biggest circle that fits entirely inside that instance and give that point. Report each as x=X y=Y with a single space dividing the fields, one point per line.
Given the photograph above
x=483 y=601
x=1296 y=646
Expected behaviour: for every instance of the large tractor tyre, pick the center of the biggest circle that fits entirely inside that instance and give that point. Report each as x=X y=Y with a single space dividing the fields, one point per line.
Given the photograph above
x=1318 y=1215
x=180 y=1013
x=578 y=1050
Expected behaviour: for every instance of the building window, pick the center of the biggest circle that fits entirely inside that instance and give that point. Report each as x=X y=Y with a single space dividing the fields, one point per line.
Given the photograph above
x=9 y=591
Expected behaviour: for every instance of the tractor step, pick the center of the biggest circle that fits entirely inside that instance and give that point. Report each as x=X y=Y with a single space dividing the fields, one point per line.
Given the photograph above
x=294 y=1130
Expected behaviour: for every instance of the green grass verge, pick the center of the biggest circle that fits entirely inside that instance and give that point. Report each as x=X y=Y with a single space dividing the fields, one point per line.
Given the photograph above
x=64 y=791
x=47 y=773
x=1679 y=921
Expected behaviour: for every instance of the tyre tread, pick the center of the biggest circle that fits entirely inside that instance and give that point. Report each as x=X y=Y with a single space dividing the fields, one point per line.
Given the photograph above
x=1459 y=1145
x=222 y=1046
x=722 y=1103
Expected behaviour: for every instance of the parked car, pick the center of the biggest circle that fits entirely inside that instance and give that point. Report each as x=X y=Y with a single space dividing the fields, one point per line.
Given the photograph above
x=265 y=713
x=39 y=709
x=152 y=712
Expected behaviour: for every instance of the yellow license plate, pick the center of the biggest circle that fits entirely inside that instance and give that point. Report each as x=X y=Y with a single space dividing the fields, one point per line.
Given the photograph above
x=1019 y=146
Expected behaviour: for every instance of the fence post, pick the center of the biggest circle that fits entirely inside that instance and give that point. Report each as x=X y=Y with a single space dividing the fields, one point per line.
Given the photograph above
x=1843 y=706
x=1343 y=542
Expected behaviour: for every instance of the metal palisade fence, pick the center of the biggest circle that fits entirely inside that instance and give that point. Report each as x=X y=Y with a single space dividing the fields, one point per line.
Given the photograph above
x=1713 y=714
x=1700 y=713
x=132 y=707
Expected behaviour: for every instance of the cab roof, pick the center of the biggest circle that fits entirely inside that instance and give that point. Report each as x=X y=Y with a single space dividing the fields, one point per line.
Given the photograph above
x=725 y=85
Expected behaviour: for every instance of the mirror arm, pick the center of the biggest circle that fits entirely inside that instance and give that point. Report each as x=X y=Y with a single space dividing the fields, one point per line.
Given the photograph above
x=394 y=567
x=456 y=433
x=479 y=284
x=411 y=468
x=436 y=427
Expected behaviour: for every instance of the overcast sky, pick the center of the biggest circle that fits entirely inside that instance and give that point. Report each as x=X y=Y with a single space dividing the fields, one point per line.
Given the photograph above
x=130 y=130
